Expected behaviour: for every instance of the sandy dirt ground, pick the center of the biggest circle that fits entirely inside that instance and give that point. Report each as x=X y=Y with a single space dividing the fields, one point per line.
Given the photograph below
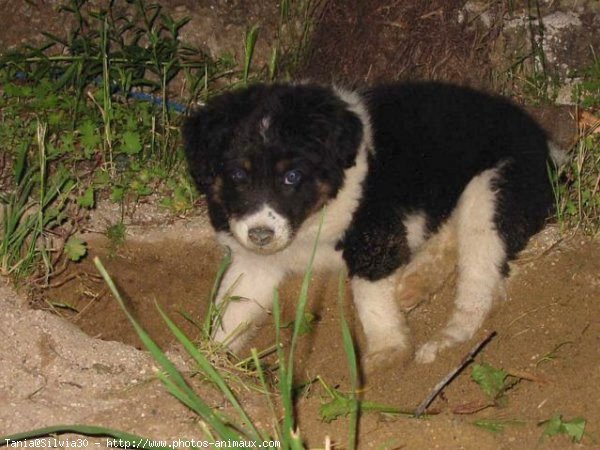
x=547 y=332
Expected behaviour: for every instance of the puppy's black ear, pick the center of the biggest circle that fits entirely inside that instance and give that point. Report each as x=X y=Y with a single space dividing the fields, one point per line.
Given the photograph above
x=207 y=133
x=347 y=136
x=312 y=113
x=335 y=123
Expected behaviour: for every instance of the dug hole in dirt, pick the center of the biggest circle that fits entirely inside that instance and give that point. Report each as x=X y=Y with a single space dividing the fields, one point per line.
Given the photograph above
x=86 y=366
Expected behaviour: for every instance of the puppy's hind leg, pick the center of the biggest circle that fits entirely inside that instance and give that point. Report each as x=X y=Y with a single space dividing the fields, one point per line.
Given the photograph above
x=481 y=257
x=430 y=267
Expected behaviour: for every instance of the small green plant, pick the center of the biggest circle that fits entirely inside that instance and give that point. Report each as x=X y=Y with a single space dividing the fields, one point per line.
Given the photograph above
x=587 y=93
x=556 y=425
x=288 y=431
x=553 y=354
x=75 y=249
x=116 y=234
x=528 y=72
x=576 y=186
x=86 y=86
x=492 y=381
x=38 y=203
x=341 y=404
x=127 y=147
x=138 y=48
x=306 y=326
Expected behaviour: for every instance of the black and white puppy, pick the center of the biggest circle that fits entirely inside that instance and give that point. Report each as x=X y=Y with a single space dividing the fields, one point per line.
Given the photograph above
x=408 y=173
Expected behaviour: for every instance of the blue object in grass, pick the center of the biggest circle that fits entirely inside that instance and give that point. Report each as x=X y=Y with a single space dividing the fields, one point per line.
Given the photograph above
x=142 y=96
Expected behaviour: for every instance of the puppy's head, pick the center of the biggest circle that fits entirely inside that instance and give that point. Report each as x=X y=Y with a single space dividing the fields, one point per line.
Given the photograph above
x=268 y=157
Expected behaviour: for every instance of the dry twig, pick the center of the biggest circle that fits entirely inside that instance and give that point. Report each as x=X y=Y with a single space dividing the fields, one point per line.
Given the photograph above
x=448 y=378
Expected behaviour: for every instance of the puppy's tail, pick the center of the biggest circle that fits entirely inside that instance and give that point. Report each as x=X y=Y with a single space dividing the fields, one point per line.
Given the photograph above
x=558 y=155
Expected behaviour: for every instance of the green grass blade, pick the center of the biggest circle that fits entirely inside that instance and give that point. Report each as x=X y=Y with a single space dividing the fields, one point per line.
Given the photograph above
x=178 y=382
x=285 y=387
x=302 y=300
x=209 y=321
x=249 y=44
x=286 y=369
x=352 y=364
x=209 y=370
x=133 y=440
x=263 y=382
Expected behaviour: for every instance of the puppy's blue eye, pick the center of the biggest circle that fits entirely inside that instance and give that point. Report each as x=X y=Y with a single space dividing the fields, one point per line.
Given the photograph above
x=292 y=177
x=238 y=175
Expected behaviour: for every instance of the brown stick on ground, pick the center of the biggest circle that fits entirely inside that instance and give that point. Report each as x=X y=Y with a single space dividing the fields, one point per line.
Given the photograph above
x=448 y=378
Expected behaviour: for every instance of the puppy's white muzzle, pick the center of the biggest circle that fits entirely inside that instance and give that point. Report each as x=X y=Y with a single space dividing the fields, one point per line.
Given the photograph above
x=264 y=231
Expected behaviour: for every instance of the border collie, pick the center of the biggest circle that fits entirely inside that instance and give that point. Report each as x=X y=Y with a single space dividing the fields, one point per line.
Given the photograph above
x=409 y=174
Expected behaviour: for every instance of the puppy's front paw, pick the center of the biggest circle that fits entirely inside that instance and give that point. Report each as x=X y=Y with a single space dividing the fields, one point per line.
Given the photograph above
x=429 y=351
x=394 y=357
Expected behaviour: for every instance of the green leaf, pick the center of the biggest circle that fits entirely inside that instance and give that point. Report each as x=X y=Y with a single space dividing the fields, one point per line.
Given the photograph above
x=87 y=199
x=345 y=404
x=491 y=380
x=14 y=90
x=117 y=194
x=20 y=163
x=575 y=428
x=75 y=249
x=494 y=426
x=67 y=143
x=140 y=188
x=131 y=143
x=556 y=425
x=340 y=405
x=306 y=324
x=116 y=233
x=89 y=137
x=101 y=178
x=55 y=118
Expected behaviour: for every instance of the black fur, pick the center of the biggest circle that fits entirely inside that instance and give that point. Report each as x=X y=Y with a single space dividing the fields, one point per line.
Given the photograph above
x=430 y=141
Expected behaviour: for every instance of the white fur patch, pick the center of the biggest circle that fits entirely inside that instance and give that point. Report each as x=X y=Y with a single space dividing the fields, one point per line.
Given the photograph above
x=265 y=123
x=557 y=154
x=357 y=106
x=481 y=254
x=265 y=217
x=383 y=323
x=252 y=278
x=416 y=227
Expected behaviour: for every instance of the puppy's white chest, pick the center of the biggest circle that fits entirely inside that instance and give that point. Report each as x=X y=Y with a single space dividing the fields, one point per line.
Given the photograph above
x=293 y=259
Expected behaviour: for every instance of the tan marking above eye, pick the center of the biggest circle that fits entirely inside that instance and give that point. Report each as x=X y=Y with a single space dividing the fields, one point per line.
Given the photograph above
x=282 y=165
x=324 y=189
x=247 y=165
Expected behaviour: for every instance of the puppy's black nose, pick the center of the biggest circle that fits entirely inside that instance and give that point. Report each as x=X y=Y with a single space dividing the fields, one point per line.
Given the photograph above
x=261 y=235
